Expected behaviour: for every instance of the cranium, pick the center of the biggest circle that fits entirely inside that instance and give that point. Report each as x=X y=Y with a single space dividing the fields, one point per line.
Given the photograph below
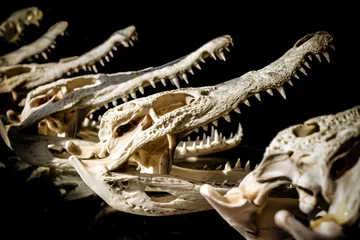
x=13 y=26
x=83 y=95
x=22 y=78
x=144 y=134
x=320 y=158
x=36 y=48
x=66 y=107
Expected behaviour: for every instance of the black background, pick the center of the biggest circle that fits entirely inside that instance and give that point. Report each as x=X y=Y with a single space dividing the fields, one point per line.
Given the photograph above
x=167 y=31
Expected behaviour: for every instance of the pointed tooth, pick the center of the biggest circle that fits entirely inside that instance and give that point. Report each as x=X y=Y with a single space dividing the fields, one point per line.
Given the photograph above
x=163 y=81
x=247 y=165
x=213 y=55
x=89 y=68
x=191 y=71
x=219 y=167
x=44 y=55
x=76 y=70
x=141 y=89
x=204 y=136
x=309 y=57
x=237 y=110
x=281 y=91
x=197 y=66
x=257 y=95
x=111 y=54
x=196 y=130
x=215 y=123
x=307 y=64
x=205 y=127
x=247 y=102
x=208 y=141
x=216 y=136
x=227 y=166
x=227 y=118
x=227 y=49
x=93 y=123
x=115 y=48
x=238 y=163
x=124 y=99
x=151 y=81
x=290 y=82
x=94 y=68
x=114 y=103
x=213 y=183
x=295 y=75
x=318 y=57
x=184 y=146
x=99 y=118
x=131 y=43
x=106 y=106
x=125 y=43
x=301 y=69
x=256 y=166
x=189 y=139
x=36 y=56
x=52 y=46
x=133 y=95
x=175 y=81
x=184 y=76
x=102 y=62
x=194 y=145
x=222 y=56
x=91 y=116
x=327 y=56
x=84 y=68
x=224 y=182
x=86 y=122
x=205 y=167
x=231 y=136
x=68 y=73
x=202 y=60
x=107 y=58
x=332 y=46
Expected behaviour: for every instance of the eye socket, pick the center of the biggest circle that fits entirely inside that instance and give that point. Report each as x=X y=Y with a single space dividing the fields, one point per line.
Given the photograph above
x=305 y=130
x=350 y=153
x=122 y=129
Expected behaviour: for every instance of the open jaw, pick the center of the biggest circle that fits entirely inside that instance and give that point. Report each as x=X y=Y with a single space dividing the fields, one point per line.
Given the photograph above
x=22 y=78
x=12 y=28
x=77 y=103
x=141 y=137
x=320 y=158
x=37 y=48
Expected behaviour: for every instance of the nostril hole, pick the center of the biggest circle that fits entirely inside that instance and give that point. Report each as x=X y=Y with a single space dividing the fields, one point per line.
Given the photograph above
x=306 y=130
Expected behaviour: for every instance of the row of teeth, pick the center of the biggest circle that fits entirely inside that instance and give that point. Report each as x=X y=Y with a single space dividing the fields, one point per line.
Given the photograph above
x=280 y=89
x=43 y=54
x=110 y=54
x=174 y=80
x=215 y=139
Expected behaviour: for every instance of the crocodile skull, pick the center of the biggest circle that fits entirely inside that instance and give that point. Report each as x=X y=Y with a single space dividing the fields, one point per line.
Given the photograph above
x=66 y=108
x=14 y=25
x=22 y=78
x=36 y=48
x=320 y=158
x=145 y=133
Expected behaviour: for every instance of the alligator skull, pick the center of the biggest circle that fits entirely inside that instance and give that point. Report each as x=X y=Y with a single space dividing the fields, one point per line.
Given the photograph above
x=320 y=158
x=14 y=25
x=36 y=48
x=144 y=133
x=22 y=78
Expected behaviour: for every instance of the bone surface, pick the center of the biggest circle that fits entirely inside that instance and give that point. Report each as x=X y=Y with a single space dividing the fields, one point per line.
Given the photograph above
x=22 y=78
x=145 y=132
x=320 y=158
x=14 y=25
x=36 y=48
